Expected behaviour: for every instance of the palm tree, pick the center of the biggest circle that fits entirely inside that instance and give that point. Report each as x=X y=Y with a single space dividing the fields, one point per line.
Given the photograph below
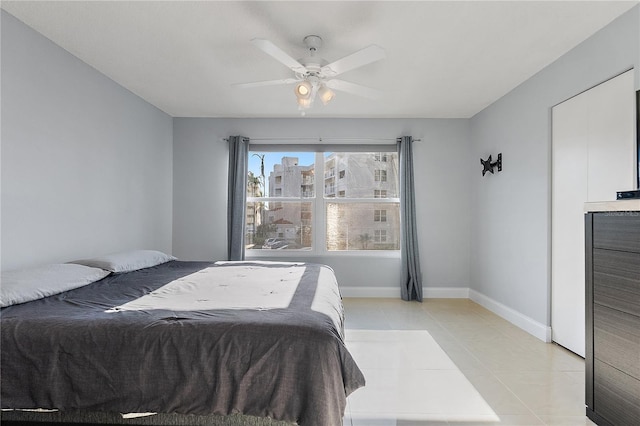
x=262 y=177
x=253 y=190
x=253 y=185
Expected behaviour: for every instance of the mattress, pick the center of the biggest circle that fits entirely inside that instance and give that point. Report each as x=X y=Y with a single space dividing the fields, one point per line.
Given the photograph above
x=261 y=339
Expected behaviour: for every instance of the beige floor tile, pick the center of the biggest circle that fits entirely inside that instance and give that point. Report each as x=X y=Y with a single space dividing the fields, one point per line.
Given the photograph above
x=418 y=394
x=392 y=421
x=547 y=393
x=567 y=420
x=366 y=321
x=463 y=359
x=408 y=349
x=497 y=395
x=451 y=361
x=505 y=420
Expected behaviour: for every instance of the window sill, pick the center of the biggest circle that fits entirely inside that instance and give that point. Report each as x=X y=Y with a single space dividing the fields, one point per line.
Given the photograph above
x=293 y=254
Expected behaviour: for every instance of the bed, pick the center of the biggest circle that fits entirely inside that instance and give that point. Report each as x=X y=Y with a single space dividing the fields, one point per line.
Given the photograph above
x=251 y=341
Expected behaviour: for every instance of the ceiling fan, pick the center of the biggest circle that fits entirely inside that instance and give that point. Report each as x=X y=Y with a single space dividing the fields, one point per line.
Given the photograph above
x=313 y=76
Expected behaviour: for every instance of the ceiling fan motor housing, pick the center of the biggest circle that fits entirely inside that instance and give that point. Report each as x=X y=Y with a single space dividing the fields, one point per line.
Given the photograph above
x=313 y=42
x=312 y=62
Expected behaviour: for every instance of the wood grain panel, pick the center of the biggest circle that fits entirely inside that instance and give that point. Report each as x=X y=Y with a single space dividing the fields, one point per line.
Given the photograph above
x=617 y=231
x=617 y=339
x=616 y=395
x=616 y=280
x=588 y=343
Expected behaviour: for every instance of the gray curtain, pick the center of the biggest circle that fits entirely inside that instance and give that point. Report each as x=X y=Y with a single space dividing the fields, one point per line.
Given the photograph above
x=236 y=201
x=411 y=279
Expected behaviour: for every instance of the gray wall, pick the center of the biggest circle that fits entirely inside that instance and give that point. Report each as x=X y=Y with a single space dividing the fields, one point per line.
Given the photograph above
x=86 y=165
x=88 y=168
x=510 y=238
x=442 y=176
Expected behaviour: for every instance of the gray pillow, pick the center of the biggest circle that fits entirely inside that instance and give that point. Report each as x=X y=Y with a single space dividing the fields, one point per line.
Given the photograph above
x=25 y=285
x=127 y=261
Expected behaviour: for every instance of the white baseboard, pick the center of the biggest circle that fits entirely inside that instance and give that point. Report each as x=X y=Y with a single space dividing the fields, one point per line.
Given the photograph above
x=535 y=328
x=531 y=326
x=427 y=292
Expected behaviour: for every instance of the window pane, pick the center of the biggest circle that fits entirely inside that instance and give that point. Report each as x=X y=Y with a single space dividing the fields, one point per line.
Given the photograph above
x=282 y=185
x=281 y=174
x=279 y=225
x=361 y=175
x=363 y=226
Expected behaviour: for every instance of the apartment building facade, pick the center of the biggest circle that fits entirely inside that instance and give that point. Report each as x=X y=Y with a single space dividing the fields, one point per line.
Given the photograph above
x=358 y=201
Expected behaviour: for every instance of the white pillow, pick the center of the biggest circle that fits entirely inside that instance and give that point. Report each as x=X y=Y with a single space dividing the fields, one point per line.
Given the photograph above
x=127 y=261
x=25 y=285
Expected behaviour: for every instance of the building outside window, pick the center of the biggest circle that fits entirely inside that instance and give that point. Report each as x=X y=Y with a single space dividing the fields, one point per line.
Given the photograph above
x=294 y=215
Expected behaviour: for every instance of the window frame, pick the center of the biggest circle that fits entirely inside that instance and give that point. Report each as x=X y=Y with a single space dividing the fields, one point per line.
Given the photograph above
x=319 y=205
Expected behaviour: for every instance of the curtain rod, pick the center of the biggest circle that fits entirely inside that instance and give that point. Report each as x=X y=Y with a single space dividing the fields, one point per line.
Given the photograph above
x=321 y=139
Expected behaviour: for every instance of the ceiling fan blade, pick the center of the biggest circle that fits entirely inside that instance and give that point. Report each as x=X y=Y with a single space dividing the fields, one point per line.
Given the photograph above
x=274 y=51
x=361 y=57
x=355 y=89
x=266 y=83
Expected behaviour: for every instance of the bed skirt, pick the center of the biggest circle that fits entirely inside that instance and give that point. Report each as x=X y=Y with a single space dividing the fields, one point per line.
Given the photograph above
x=99 y=418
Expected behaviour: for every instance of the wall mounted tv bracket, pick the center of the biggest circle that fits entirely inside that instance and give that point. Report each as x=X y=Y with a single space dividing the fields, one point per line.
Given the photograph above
x=488 y=165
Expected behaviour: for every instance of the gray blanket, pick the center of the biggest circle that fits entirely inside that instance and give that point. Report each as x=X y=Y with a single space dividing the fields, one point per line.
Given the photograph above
x=263 y=339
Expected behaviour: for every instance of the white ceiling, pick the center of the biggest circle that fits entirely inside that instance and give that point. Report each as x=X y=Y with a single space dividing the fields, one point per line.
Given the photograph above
x=444 y=59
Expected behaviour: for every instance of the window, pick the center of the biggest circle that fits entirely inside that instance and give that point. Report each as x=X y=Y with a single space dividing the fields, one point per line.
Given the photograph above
x=379 y=215
x=331 y=215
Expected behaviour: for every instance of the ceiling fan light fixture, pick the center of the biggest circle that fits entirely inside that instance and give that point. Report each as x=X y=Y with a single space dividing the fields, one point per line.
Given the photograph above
x=326 y=94
x=303 y=90
x=304 y=103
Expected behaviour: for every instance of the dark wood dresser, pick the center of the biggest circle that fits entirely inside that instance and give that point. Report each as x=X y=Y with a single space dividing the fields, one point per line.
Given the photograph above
x=612 y=360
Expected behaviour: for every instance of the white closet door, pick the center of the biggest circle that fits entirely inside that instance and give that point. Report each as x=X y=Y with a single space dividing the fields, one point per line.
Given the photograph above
x=569 y=192
x=593 y=154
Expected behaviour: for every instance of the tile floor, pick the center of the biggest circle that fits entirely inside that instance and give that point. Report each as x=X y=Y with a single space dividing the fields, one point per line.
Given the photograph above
x=452 y=362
